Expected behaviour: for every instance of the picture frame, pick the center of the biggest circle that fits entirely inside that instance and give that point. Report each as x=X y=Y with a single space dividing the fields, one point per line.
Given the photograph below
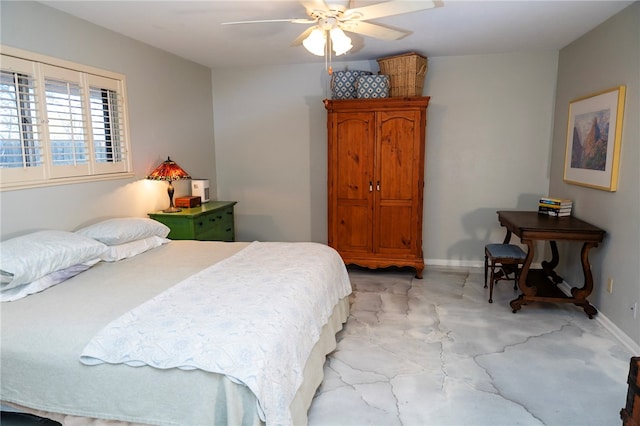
x=594 y=136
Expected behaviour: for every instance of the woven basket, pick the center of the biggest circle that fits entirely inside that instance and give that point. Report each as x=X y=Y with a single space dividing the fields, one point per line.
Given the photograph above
x=406 y=73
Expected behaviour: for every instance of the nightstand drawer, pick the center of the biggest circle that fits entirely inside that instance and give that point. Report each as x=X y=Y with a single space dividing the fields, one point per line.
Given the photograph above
x=211 y=221
x=215 y=226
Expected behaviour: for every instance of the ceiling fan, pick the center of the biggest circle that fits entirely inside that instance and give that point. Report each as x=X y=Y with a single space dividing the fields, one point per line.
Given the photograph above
x=333 y=20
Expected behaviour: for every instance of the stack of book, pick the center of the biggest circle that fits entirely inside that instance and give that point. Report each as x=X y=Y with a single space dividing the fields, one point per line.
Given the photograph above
x=555 y=206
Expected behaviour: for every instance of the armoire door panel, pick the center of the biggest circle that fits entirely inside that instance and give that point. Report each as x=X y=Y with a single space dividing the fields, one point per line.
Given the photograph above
x=354 y=156
x=395 y=233
x=397 y=154
x=353 y=227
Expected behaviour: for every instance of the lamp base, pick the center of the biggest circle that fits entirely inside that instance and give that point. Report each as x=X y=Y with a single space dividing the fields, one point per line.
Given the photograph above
x=172 y=210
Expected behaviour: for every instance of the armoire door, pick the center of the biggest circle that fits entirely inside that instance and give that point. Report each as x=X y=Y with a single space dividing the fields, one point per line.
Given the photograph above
x=397 y=199
x=352 y=163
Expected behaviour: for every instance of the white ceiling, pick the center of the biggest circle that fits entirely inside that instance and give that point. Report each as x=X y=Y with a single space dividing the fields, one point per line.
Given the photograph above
x=192 y=30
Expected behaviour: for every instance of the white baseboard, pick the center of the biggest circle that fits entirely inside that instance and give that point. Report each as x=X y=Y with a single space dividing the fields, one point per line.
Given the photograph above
x=454 y=263
x=617 y=333
x=622 y=337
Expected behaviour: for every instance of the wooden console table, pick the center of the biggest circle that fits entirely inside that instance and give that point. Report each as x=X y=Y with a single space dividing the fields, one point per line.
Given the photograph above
x=541 y=285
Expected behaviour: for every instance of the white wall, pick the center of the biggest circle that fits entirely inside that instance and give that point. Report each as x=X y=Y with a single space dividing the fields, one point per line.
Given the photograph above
x=489 y=133
x=170 y=114
x=270 y=144
x=606 y=57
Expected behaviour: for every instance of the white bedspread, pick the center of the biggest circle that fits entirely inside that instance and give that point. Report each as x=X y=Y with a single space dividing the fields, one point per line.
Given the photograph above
x=244 y=317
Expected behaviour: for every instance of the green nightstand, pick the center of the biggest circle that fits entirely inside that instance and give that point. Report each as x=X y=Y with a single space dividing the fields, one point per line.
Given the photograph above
x=212 y=221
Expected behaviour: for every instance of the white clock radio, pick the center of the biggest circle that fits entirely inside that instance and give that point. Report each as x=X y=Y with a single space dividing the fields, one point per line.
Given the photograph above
x=200 y=188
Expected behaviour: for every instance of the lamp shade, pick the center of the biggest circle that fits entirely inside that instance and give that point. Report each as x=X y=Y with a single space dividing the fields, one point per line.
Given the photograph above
x=168 y=170
x=340 y=42
x=315 y=42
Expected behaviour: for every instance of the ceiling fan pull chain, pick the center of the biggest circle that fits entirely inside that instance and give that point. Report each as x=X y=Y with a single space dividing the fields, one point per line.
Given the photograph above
x=326 y=60
x=328 y=53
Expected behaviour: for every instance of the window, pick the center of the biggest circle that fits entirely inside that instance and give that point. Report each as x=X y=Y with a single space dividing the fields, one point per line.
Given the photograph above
x=60 y=122
x=19 y=121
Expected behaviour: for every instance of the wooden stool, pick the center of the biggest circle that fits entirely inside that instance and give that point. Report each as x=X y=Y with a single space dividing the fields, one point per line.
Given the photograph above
x=508 y=258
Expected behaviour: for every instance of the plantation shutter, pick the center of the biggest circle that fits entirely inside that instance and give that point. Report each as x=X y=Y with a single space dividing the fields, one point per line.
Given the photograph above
x=66 y=126
x=21 y=147
x=106 y=105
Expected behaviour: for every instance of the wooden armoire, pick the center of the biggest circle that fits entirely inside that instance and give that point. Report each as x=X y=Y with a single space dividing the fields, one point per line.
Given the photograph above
x=376 y=180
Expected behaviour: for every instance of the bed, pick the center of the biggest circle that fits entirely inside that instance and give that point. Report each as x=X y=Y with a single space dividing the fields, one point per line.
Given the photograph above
x=57 y=347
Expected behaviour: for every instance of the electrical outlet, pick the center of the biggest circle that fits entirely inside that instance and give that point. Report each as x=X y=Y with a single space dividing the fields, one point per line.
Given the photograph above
x=610 y=285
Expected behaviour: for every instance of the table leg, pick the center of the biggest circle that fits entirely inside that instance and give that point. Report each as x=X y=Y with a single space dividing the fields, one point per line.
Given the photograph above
x=548 y=267
x=517 y=303
x=583 y=292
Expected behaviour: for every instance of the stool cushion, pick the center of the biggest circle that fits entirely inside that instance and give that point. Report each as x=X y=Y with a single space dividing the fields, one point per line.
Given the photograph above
x=505 y=251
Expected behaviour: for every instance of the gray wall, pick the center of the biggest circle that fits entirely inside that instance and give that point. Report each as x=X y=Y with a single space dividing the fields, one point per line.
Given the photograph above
x=271 y=138
x=604 y=58
x=489 y=138
x=170 y=114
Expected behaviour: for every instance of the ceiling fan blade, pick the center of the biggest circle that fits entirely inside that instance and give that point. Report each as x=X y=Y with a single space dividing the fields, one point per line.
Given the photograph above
x=262 y=21
x=302 y=36
x=388 y=8
x=373 y=30
x=311 y=5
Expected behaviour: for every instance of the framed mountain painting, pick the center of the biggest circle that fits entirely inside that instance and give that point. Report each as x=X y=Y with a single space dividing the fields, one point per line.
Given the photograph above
x=594 y=134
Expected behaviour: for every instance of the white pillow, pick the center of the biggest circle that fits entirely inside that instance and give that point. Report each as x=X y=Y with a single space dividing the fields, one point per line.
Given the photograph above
x=123 y=230
x=132 y=248
x=45 y=282
x=35 y=255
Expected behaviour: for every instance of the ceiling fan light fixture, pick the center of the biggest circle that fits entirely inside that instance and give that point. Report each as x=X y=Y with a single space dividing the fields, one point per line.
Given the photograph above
x=340 y=42
x=327 y=35
x=315 y=42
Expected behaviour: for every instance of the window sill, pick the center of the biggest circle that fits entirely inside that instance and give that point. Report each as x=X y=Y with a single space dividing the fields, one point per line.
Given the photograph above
x=14 y=186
